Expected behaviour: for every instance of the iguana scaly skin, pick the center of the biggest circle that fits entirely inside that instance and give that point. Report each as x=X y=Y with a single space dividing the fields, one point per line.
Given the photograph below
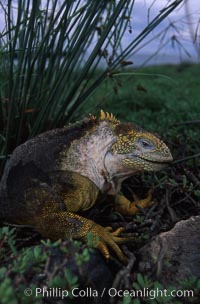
x=50 y=179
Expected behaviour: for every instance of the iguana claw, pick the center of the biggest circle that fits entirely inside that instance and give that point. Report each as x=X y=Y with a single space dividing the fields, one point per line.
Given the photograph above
x=126 y=207
x=103 y=238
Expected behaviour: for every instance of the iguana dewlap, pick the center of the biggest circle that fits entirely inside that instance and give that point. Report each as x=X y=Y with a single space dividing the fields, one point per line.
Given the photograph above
x=54 y=176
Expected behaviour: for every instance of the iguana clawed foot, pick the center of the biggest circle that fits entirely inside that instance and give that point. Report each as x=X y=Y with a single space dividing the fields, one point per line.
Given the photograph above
x=126 y=207
x=104 y=238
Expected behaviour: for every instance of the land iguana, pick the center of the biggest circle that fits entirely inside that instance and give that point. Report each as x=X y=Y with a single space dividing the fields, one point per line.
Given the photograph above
x=53 y=177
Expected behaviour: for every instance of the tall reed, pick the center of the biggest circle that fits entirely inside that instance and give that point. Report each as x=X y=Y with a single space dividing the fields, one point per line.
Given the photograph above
x=49 y=52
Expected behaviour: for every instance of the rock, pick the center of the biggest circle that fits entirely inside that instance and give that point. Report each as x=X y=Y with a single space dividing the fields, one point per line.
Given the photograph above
x=174 y=255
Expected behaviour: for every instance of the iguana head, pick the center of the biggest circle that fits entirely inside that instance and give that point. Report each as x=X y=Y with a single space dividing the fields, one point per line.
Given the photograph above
x=133 y=149
x=108 y=151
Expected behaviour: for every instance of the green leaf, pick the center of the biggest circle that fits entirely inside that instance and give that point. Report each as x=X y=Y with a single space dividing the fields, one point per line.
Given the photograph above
x=126 y=300
x=71 y=279
x=197 y=193
x=184 y=181
x=37 y=252
x=140 y=280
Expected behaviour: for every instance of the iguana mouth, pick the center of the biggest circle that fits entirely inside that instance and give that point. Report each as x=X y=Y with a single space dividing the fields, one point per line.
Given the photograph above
x=164 y=162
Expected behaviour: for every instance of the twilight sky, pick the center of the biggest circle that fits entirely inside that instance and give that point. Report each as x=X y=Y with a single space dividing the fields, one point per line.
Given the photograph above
x=184 y=19
x=186 y=27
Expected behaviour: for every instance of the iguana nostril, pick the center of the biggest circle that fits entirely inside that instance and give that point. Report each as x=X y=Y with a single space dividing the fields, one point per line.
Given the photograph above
x=167 y=152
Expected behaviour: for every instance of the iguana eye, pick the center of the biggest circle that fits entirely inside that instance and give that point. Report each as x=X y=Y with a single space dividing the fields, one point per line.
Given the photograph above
x=145 y=143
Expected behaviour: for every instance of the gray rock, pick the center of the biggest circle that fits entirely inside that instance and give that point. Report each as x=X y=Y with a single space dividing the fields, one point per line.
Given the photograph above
x=174 y=255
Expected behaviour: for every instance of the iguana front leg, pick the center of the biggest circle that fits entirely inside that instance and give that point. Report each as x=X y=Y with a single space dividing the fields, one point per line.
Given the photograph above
x=126 y=207
x=67 y=224
x=53 y=220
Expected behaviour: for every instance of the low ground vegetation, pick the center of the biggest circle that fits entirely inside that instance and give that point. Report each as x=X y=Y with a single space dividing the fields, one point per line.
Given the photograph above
x=164 y=100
